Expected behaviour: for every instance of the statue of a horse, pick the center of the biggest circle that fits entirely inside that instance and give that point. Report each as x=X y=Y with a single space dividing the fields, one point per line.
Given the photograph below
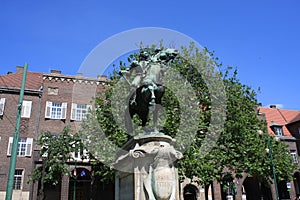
x=146 y=97
x=150 y=90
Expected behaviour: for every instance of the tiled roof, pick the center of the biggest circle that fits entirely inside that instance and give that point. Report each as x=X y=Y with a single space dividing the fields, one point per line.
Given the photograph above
x=280 y=116
x=295 y=119
x=34 y=80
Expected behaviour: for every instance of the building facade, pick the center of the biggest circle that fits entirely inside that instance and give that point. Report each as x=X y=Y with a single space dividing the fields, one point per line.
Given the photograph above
x=51 y=102
x=285 y=125
x=9 y=97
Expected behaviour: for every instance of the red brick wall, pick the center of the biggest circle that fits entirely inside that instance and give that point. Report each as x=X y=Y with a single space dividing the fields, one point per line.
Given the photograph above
x=28 y=128
x=69 y=92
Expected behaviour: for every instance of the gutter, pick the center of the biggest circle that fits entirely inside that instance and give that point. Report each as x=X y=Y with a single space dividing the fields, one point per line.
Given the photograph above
x=17 y=90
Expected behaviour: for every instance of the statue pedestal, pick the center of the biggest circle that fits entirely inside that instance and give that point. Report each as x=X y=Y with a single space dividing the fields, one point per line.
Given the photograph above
x=148 y=171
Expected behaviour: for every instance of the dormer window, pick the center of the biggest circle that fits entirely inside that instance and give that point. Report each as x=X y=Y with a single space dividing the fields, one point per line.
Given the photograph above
x=277 y=129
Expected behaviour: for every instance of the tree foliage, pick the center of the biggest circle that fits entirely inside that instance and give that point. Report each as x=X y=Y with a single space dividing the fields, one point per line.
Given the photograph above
x=55 y=153
x=239 y=148
x=235 y=146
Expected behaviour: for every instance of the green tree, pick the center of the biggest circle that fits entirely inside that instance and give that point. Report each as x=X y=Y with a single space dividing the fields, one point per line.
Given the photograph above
x=239 y=148
x=55 y=153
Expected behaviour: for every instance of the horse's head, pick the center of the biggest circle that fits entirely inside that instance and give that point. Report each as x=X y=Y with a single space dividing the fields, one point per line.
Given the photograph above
x=171 y=53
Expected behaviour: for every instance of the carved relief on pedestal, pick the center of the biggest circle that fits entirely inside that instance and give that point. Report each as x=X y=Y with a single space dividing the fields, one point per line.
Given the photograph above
x=158 y=171
x=152 y=160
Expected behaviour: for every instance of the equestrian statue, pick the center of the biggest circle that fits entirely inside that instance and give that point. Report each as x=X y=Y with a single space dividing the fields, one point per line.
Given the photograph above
x=146 y=87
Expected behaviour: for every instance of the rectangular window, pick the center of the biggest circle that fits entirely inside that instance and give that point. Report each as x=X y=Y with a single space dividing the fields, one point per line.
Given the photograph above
x=26 y=109
x=2 y=104
x=81 y=155
x=294 y=156
x=18 y=178
x=299 y=130
x=79 y=111
x=24 y=147
x=56 y=110
x=278 y=130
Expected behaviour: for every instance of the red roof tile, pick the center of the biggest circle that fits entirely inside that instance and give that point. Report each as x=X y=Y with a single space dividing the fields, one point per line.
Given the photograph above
x=295 y=119
x=280 y=116
x=34 y=80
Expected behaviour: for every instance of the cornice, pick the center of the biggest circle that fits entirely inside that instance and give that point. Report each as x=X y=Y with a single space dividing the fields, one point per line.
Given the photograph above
x=102 y=80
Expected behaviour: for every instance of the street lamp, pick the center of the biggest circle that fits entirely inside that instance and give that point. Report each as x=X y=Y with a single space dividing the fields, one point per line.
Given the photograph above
x=269 y=151
x=272 y=165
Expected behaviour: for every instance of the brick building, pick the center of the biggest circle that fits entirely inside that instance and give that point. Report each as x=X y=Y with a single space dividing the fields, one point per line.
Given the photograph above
x=285 y=124
x=9 y=96
x=51 y=102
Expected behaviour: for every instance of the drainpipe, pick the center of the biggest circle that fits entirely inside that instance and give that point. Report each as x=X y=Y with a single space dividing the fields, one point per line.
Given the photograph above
x=36 y=138
x=39 y=116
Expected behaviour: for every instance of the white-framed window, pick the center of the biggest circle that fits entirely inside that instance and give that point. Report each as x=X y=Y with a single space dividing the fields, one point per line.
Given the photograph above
x=79 y=111
x=24 y=147
x=56 y=110
x=294 y=156
x=18 y=179
x=26 y=109
x=2 y=105
x=81 y=155
x=278 y=130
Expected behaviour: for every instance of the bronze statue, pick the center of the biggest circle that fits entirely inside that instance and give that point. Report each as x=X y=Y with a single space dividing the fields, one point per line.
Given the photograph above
x=147 y=88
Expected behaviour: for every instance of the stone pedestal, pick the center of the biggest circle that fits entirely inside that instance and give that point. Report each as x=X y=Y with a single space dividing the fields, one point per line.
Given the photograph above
x=148 y=171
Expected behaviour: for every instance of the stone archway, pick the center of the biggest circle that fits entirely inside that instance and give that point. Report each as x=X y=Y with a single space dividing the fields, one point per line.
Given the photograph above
x=190 y=192
x=255 y=190
x=283 y=190
x=80 y=184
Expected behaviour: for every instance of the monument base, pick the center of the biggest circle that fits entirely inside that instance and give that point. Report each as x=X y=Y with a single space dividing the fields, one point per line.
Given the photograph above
x=148 y=171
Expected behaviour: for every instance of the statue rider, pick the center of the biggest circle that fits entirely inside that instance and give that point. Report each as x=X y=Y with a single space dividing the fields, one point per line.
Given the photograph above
x=139 y=68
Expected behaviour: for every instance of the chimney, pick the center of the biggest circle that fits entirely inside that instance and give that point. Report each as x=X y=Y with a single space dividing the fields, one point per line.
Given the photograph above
x=272 y=106
x=102 y=78
x=54 y=71
x=9 y=72
x=19 y=69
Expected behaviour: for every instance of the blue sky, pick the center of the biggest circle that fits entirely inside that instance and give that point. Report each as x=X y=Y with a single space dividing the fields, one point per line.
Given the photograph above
x=260 y=38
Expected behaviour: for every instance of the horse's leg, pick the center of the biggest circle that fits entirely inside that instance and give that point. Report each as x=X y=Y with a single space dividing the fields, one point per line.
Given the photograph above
x=158 y=93
x=144 y=117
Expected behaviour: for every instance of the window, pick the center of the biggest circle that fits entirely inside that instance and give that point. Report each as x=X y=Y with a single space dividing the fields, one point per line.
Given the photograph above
x=55 y=110
x=294 y=156
x=18 y=177
x=26 y=109
x=81 y=155
x=299 y=130
x=2 y=103
x=278 y=130
x=79 y=111
x=24 y=146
